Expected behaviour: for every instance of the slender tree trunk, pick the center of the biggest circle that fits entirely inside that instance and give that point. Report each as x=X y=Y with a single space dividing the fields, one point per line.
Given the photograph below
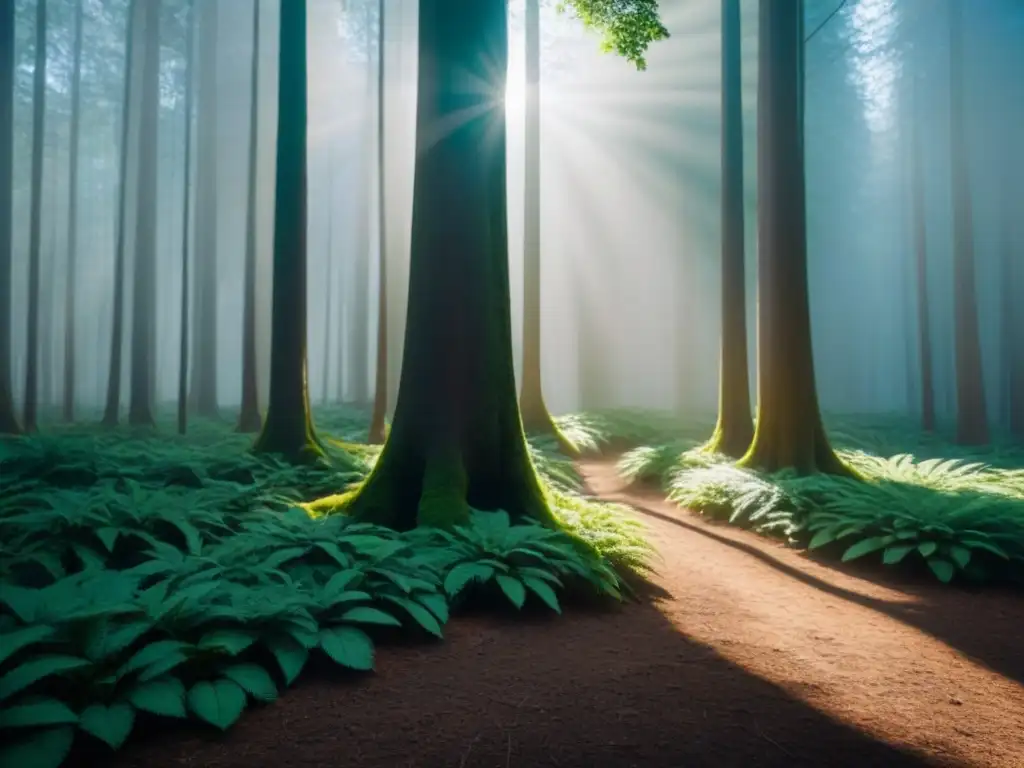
x=789 y=433
x=329 y=290
x=380 y=393
x=735 y=430
x=288 y=429
x=111 y=412
x=47 y=288
x=971 y=412
x=920 y=229
x=70 y=293
x=1013 y=317
x=185 y=220
x=31 y=404
x=249 y=419
x=8 y=420
x=140 y=406
x=457 y=439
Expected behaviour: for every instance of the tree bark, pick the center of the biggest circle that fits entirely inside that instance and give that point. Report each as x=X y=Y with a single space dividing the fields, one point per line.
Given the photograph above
x=920 y=229
x=971 y=411
x=380 y=388
x=789 y=433
x=70 y=293
x=457 y=439
x=8 y=419
x=185 y=221
x=249 y=419
x=288 y=429
x=735 y=429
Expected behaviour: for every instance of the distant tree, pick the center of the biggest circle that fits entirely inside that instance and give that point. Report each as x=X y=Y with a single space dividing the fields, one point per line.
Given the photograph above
x=249 y=419
x=971 y=411
x=35 y=221
x=190 y=29
x=70 y=293
x=789 y=433
x=328 y=294
x=8 y=420
x=288 y=429
x=380 y=387
x=734 y=431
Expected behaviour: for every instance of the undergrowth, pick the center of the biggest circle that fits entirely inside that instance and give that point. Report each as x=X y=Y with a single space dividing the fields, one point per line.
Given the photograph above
x=923 y=502
x=150 y=576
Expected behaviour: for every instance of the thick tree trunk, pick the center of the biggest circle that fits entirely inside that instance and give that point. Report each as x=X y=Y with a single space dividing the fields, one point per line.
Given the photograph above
x=185 y=221
x=971 y=411
x=70 y=293
x=111 y=413
x=380 y=387
x=140 y=406
x=288 y=429
x=8 y=420
x=789 y=433
x=203 y=390
x=31 y=404
x=735 y=428
x=457 y=439
x=249 y=419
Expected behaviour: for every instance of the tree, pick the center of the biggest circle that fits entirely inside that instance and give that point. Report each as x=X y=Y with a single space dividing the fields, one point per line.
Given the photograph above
x=190 y=28
x=35 y=221
x=789 y=433
x=288 y=429
x=380 y=387
x=457 y=438
x=734 y=430
x=69 y=301
x=8 y=420
x=249 y=419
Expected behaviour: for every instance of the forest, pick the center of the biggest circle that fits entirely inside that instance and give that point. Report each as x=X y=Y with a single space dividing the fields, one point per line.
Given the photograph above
x=573 y=383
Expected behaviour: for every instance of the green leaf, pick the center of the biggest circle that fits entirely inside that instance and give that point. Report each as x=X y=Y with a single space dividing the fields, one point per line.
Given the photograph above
x=864 y=547
x=152 y=653
x=544 y=591
x=253 y=679
x=513 y=589
x=43 y=712
x=927 y=548
x=162 y=666
x=291 y=656
x=220 y=703
x=961 y=555
x=421 y=615
x=108 y=537
x=822 y=537
x=230 y=641
x=395 y=578
x=436 y=604
x=334 y=552
x=111 y=725
x=340 y=581
x=896 y=553
x=12 y=642
x=348 y=646
x=24 y=603
x=37 y=669
x=107 y=638
x=462 y=574
x=943 y=569
x=987 y=546
x=43 y=749
x=282 y=556
x=366 y=615
x=164 y=696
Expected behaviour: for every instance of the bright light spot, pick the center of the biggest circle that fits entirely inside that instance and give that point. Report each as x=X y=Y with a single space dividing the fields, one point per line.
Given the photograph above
x=515 y=97
x=874 y=64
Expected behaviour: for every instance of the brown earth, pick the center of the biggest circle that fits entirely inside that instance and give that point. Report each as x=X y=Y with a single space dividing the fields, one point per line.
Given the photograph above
x=750 y=655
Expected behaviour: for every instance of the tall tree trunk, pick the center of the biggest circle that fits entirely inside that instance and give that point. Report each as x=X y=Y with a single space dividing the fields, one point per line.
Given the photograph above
x=70 y=293
x=249 y=419
x=47 y=288
x=457 y=439
x=1013 y=316
x=31 y=405
x=288 y=429
x=971 y=412
x=920 y=229
x=789 y=433
x=735 y=429
x=380 y=387
x=8 y=420
x=111 y=412
x=190 y=23
x=329 y=290
x=203 y=390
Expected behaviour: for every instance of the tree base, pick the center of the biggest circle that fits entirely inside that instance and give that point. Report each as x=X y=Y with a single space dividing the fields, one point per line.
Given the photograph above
x=249 y=422
x=792 y=450
x=732 y=440
x=296 y=446
x=537 y=420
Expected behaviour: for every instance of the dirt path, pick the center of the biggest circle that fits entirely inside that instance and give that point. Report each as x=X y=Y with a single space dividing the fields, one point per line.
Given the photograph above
x=753 y=656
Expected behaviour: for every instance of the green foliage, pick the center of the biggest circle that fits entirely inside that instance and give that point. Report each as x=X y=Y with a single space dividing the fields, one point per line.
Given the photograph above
x=628 y=27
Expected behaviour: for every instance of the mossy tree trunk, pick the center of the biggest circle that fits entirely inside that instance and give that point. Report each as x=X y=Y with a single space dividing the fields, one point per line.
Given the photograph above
x=8 y=420
x=734 y=430
x=380 y=386
x=70 y=293
x=28 y=420
x=789 y=433
x=249 y=419
x=183 y=347
x=288 y=429
x=971 y=411
x=457 y=439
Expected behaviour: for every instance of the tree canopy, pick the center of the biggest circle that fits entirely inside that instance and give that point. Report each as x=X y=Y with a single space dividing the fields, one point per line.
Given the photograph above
x=628 y=27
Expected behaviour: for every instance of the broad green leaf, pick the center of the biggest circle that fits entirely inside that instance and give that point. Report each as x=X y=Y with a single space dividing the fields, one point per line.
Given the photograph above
x=220 y=702
x=340 y=581
x=165 y=696
x=282 y=556
x=42 y=749
x=513 y=589
x=111 y=725
x=544 y=591
x=152 y=653
x=230 y=641
x=943 y=569
x=463 y=574
x=864 y=547
x=987 y=546
x=348 y=646
x=108 y=537
x=290 y=654
x=395 y=578
x=927 y=548
x=107 y=637
x=436 y=604
x=12 y=642
x=43 y=712
x=163 y=665
x=334 y=552
x=253 y=679
x=822 y=537
x=365 y=615
x=36 y=669
x=421 y=615
x=961 y=555
x=896 y=553
x=24 y=603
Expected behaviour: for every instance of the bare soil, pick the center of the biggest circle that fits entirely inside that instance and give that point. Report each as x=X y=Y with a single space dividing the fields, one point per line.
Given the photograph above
x=749 y=654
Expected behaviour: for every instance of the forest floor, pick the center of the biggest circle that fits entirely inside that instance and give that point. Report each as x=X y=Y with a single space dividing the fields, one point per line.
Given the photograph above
x=746 y=654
